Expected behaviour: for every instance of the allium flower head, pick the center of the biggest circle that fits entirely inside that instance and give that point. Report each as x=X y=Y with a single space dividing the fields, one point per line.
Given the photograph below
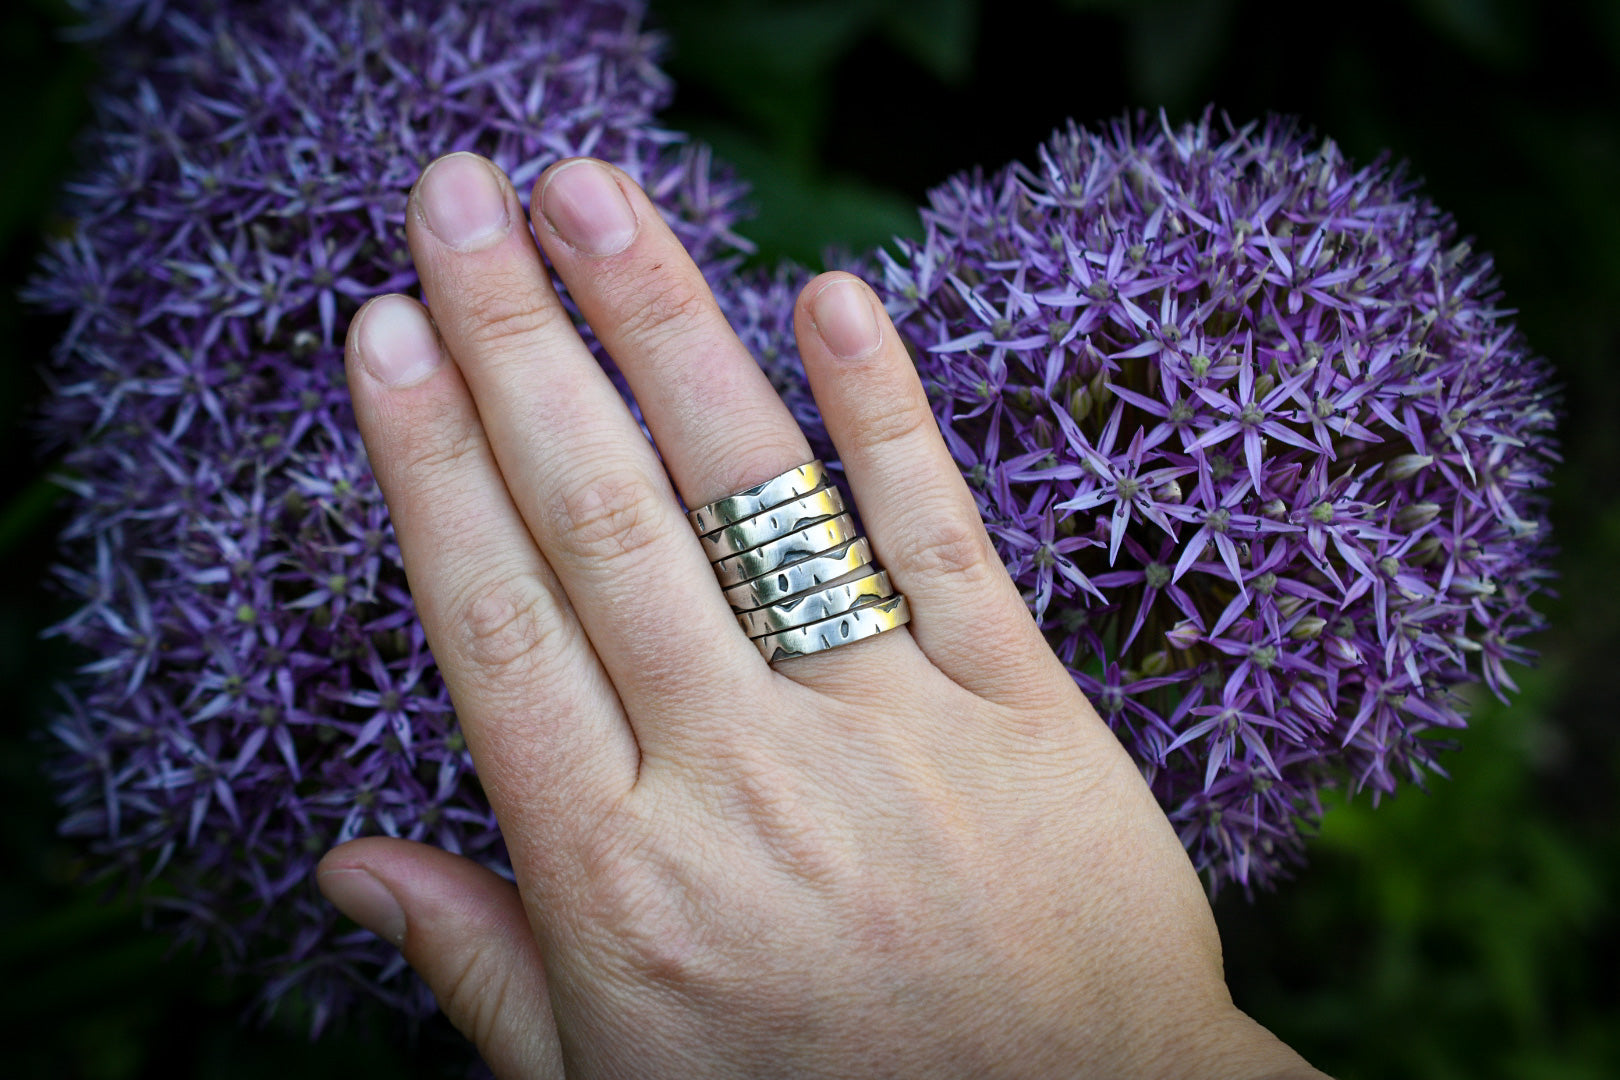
x=1251 y=429
x=260 y=688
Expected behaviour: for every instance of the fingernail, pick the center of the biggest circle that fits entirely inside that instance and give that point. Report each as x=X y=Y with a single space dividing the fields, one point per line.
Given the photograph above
x=367 y=901
x=462 y=202
x=845 y=320
x=397 y=343
x=584 y=205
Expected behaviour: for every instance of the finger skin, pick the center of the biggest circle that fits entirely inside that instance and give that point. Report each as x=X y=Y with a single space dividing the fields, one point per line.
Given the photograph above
x=465 y=932
x=966 y=613
x=587 y=483
x=719 y=425
x=538 y=710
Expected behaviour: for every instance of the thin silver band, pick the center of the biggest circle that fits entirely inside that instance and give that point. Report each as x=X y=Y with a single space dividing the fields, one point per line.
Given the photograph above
x=777 y=490
x=800 y=577
x=852 y=626
x=768 y=525
x=787 y=550
x=810 y=607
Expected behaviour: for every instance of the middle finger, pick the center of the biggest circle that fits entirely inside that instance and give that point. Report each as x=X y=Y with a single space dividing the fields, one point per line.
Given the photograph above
x=720 y=425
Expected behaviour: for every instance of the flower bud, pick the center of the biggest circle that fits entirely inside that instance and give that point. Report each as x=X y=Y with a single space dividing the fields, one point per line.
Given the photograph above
x=1523 y=530
x=1156 y=663
x=1309 y=628
x=1425 y=552
x=1101 y=392
x=1342 y=649
x=1080 y=404
x=1184 y=635
x=1416 y=515
x=1473 y=586
x=1407 y=465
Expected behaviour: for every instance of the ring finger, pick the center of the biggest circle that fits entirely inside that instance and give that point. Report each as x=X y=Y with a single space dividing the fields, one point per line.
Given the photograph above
x=719 y=424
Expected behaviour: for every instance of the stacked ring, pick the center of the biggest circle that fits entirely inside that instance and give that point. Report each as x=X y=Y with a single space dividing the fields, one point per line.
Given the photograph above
x=819 y=505
x=793 y=568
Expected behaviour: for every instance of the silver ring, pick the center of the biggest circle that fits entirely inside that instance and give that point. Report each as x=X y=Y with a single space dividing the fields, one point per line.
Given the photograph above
x=873 y=585
x=797 y=575
x=852 y=626
x=786 y=550
x=800 y=577
x=801 y=480
x=767 y=525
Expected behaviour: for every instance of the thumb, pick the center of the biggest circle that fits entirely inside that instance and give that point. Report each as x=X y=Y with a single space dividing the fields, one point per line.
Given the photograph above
x=464 y=929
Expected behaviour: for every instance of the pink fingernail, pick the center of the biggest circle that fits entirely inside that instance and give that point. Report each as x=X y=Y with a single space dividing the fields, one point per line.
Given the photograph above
x=397 y=343
x=367 y=901
x=583 y=203
x=845 y=320
x=463 y=202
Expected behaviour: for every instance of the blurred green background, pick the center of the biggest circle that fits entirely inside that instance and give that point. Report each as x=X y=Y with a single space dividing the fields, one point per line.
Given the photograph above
x=1465 y=932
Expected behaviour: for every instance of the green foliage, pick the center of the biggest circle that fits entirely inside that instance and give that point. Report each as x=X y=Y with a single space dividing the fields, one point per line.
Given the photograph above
x=1446 y=933
x=764 y=78
x=36 y=152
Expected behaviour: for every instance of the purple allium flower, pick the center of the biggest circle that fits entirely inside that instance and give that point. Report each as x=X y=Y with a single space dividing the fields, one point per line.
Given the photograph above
x=1253 y=432
x=259 y=687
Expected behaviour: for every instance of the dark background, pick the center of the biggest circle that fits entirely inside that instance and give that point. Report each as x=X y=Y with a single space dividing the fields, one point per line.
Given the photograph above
x=1465 y=932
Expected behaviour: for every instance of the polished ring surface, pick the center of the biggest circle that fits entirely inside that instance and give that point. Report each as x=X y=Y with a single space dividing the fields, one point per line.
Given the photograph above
x=800 y=577
x=814 y=606
x=852 y=626
x=786 y=550
x=800 y=480
x=768 y=525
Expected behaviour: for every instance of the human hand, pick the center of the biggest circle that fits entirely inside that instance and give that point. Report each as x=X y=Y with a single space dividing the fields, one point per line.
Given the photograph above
x=918 y=855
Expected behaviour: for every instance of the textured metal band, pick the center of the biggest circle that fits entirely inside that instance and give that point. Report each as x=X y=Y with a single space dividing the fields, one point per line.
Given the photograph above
x=767 y=525
x=786 y=550
x=814 y=606
x=800 y=577
x=863 y=622
x=743 y=504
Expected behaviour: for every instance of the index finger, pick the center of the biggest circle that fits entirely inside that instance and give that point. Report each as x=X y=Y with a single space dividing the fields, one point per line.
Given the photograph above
x=531 y=698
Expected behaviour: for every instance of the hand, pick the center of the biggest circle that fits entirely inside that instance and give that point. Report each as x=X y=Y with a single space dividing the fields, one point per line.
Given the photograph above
x=918 y=855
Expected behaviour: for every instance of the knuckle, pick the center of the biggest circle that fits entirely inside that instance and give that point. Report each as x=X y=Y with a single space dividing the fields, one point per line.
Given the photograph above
x=944 y=545
x=513 y=630
x=502 y=313
x=886 y=422
x=439 y=447
x=475 y=993
x=608 y=517
x=652 y=315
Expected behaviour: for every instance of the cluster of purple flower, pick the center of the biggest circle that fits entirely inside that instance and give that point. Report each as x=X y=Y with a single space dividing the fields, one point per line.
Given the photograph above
x=259 y=687
x=1245 y=422
x=1251 y=429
